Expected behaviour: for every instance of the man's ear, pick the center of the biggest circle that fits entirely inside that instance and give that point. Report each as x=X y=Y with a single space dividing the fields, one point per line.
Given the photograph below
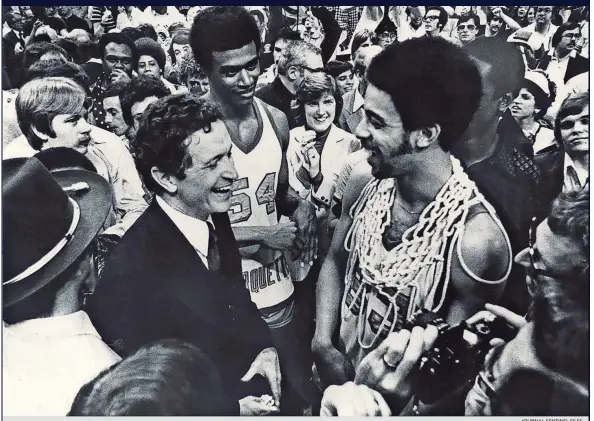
x=293 y=72
x=505 y=102
x=40 y=135
x=425 y=137
x=167 y=181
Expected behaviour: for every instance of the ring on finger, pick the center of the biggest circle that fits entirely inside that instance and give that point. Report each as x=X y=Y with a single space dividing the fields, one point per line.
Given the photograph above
x=389 y=364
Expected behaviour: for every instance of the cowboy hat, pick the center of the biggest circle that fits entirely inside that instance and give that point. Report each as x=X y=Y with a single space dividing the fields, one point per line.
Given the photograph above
x=50 y=219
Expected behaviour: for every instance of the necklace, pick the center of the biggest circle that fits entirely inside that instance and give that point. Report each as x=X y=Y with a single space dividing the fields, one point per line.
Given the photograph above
x=408 y=211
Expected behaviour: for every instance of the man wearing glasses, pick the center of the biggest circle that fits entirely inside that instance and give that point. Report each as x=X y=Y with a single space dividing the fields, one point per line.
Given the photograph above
x=543 y=26
x=436 y=18
x=298 y=59
x=467 y=28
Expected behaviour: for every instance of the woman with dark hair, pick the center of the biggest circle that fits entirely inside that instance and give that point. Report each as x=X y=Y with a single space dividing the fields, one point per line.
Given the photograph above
x=530 y=106
x=151 y=60
x=318 y=148
x=179 y=51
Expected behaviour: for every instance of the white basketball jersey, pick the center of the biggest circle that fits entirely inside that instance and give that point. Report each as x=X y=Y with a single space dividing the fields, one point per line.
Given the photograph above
x=266 y=274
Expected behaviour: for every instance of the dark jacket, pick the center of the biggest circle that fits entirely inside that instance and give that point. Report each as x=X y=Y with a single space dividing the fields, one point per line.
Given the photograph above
x=155 y=286
x=576 y=66
x=13 y=61
x=277 y=95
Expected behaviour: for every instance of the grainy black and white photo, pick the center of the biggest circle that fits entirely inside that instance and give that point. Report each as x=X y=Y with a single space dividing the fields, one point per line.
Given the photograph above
x=295 y=210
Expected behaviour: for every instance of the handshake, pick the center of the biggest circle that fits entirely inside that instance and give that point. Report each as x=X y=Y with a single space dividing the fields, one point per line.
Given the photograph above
x=427 y=359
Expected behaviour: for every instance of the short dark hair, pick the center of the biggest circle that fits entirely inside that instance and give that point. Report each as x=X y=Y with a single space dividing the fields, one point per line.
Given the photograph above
x=168 y=377
x=507 y=66
x=430 y=81
x=117 y=38
x=163 y=130
x=312 y=87
x=133 y=33
x=574 y=104
x=468 y=17
x=70 y=47
x=33 y=52
x=443 y=15
x=221 y=28
x=287 y=33
x=140 y=88
x=567 y=26
x=57 y=68
x=335 y=68
x=148 y=30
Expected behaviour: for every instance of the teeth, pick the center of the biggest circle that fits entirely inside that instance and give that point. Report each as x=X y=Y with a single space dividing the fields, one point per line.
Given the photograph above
x=223 y=189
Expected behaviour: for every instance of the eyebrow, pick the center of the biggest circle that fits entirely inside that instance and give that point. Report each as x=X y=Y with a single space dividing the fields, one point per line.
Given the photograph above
x=238 y=68
x=374 y=115
x=71 y=118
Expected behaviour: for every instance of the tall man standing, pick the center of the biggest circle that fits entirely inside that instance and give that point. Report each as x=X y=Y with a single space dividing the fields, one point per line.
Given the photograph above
x=419 y=235
x=225 y=42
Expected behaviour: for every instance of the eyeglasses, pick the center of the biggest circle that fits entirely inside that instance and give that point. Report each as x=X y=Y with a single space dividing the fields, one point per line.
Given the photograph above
x=572 y=36
x=468 y=27
x=428 y=18
x=316 y=70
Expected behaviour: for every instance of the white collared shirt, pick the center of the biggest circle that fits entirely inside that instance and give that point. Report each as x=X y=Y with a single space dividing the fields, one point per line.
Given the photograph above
x=358 y=102
x=568 y=181
x=48 y=360
x=558 y=67
x=195 y=230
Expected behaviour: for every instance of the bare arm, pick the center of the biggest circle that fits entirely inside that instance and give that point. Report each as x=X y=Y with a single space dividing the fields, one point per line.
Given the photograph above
x=486 y=253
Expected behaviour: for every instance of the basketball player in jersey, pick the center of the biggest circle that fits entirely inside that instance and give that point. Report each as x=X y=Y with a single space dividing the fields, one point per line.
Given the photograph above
x=418 y=235
x=225 y=41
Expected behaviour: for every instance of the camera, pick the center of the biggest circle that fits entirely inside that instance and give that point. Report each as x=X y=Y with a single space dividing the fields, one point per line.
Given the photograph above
x=457 y=355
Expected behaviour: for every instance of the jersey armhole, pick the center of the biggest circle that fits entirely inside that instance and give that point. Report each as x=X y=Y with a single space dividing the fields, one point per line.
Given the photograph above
x=274 y=126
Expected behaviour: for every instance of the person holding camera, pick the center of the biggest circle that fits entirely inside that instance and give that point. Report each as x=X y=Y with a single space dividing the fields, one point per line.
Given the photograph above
x=540 y=370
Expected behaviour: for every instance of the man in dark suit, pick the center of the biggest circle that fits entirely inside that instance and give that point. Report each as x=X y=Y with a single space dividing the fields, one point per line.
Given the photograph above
x=562 y=62
x=13 y=46
x=174 y=275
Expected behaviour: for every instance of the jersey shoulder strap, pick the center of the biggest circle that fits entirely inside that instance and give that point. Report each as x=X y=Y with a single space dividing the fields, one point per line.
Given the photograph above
x=272 y=122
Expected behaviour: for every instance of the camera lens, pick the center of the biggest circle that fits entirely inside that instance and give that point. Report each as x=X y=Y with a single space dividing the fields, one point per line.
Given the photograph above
x=482 y=328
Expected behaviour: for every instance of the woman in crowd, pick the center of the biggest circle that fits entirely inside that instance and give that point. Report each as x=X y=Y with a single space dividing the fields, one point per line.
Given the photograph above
x=318 y=148
x=151 y=60
x=531 y=104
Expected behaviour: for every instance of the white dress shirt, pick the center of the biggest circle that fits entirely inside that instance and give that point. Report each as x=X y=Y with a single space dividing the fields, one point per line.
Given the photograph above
x=195 y=230
x=48 y=360
x=569 y=182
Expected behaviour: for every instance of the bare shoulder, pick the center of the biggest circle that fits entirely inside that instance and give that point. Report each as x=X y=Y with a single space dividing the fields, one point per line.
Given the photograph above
x=281 y=122
x=355 y=184
x=485 y=249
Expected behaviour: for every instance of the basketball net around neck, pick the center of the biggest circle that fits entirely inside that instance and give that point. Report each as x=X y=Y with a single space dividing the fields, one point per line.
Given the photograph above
x=420 y=259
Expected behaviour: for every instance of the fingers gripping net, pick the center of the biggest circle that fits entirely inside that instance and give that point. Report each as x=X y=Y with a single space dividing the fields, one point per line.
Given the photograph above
x=418 y=262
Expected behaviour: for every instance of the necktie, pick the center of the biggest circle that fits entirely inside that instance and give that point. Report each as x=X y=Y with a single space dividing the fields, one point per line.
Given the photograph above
x=213 y=258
